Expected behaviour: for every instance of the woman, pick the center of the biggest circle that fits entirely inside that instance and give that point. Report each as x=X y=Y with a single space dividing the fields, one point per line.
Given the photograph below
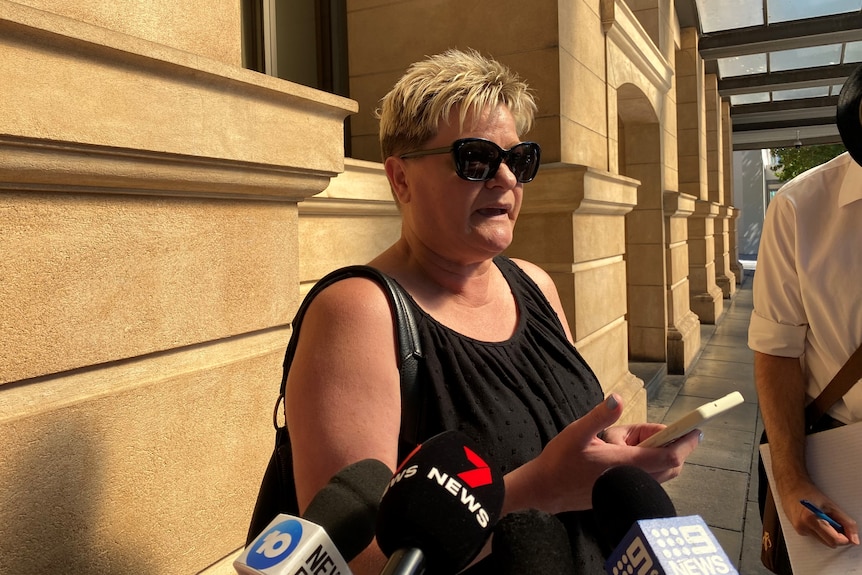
x=499 y=361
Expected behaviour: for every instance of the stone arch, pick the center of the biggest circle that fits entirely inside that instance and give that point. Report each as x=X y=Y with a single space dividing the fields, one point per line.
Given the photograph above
x=640 y=157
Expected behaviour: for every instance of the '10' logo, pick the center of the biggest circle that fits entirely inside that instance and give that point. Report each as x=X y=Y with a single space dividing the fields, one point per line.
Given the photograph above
x=275 y=544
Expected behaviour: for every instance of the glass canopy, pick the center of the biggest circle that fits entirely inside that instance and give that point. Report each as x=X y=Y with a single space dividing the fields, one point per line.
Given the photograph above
x=780 y=63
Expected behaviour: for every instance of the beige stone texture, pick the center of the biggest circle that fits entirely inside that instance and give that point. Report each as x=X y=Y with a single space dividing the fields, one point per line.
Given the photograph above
x=600 y=297
x=644 y=259
x=648 y=344
x=151 y=266
x=579 y=34
x=583 y=97
x=678 y=299
x=170 y=107
x=136 y=275
x=606 y=353
x=645 y=226
x=597 y=236
x=650 y=301
x=350 y=222
x=677 y=265
x=724 y=276
x=581 y=145
x=192 y=25
x=683 y=342
x=150 y=465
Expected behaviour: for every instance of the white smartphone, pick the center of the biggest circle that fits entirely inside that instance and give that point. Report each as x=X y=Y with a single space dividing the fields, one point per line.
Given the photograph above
x=692 y=420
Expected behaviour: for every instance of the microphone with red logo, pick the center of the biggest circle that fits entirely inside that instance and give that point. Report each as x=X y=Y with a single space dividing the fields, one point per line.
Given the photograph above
x=440 y=508
x=531 y=541
x=337 y=525
x=637 y=520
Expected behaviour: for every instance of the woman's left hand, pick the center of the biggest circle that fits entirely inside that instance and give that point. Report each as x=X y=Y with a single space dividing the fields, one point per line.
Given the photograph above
x=663 y=463
x=561 y=478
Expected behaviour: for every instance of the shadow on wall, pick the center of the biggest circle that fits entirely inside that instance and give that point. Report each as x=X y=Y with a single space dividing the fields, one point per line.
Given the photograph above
x=51 y=482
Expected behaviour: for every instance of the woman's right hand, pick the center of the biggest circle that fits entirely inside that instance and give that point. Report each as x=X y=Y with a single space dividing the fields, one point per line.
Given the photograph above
x=561 y=478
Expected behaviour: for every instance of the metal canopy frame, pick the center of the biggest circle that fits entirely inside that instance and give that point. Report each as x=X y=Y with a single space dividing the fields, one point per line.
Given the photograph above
x=778 y=122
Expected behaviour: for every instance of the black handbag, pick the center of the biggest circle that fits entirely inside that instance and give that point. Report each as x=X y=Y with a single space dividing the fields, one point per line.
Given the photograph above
x=773 y=549
x=277 y=489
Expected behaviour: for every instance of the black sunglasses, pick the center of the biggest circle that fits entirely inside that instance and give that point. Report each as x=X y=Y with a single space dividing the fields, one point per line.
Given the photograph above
x=477 y=159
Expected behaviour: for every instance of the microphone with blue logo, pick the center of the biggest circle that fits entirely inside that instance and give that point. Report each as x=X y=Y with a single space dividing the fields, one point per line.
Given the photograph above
x=637 y=521
x=337 y=525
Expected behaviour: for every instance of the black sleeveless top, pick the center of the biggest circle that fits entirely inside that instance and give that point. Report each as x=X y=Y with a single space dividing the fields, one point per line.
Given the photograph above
x=511 y=397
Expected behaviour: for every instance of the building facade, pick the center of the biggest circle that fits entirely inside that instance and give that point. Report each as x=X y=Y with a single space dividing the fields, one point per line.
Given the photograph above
x=163 y=210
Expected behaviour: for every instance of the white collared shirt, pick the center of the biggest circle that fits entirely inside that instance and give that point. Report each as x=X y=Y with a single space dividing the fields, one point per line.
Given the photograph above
x=808 y=283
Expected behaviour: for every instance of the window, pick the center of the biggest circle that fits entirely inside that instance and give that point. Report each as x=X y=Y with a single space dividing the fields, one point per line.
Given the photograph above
x=304 y=41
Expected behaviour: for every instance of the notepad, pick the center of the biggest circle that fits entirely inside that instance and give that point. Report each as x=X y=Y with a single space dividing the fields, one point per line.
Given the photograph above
x=834 y=460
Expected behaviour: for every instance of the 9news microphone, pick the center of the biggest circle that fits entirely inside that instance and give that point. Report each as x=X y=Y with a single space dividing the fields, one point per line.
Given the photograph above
x=531 y=541
x=440 y=508
x=336 y=527
x=636 y=518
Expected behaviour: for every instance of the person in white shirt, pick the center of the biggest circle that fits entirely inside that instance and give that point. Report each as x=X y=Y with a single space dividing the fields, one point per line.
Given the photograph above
x=807 y=321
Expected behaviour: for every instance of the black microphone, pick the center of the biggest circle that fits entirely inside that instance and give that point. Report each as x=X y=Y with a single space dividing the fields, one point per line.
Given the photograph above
x=440 y=508
x=637 y=520
x=531 y=541
x=337 y=525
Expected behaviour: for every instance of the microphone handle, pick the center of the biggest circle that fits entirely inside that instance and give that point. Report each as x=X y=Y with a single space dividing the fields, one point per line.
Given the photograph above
x=405 y=562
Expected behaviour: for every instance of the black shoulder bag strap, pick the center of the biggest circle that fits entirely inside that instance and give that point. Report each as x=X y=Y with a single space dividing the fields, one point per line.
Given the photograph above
x=409 y=349
x=846 y=378
x=277 y=492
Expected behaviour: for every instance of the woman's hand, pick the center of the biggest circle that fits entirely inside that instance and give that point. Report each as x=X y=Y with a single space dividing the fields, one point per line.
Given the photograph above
x=561 y=478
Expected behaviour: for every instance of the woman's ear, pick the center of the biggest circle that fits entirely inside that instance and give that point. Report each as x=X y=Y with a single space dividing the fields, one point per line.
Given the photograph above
x=397 y=178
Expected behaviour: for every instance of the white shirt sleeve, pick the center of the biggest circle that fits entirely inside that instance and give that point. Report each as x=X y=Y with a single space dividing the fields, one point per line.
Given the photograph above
x=778 y=322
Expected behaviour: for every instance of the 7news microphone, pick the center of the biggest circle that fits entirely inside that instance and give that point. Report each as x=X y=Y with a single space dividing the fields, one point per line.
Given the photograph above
x=440 y=508
x=337 y=525
x=637 y=521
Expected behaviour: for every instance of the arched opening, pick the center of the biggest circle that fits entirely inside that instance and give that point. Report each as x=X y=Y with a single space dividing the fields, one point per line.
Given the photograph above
x=640 y=157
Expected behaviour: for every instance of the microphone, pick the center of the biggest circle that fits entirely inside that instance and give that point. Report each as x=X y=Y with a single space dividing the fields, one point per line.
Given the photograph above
x=441 y=506
x=337 y=525
x=531 y=541
x=636 y=518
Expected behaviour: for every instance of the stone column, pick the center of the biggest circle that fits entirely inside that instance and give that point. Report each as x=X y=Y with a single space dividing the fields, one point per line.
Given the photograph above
x=683 y=339
x=706 y=296
x=715 y=136
x=733 y=210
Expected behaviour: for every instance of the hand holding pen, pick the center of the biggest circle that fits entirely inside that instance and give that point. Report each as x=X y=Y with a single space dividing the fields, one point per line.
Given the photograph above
x=822 y=515
x=832 y=522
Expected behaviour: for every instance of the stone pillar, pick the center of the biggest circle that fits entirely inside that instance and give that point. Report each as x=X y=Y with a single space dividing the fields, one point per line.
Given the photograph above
x=706 y=296
x=715 y=135
x=733 y=210
x=683 y=339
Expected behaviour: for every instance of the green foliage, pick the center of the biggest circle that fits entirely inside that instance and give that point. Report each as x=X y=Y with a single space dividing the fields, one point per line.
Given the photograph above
x=790 y=162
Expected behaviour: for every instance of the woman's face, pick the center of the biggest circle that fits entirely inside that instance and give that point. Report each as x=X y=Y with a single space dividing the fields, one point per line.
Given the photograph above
x=462 y=221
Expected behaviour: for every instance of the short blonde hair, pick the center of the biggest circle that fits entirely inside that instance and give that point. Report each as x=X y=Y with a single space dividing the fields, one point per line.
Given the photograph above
x=426 y=94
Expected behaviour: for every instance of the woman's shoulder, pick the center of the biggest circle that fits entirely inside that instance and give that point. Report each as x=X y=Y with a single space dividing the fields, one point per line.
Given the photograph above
x=511 y=266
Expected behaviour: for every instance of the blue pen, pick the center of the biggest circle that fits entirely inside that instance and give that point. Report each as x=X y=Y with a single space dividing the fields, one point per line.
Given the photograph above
x=822 y=515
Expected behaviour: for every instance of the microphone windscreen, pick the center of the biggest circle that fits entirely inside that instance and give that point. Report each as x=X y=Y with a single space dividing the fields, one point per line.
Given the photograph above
x=444 y=500
x=531 y=541
x=623 y=495
x=347 y=506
